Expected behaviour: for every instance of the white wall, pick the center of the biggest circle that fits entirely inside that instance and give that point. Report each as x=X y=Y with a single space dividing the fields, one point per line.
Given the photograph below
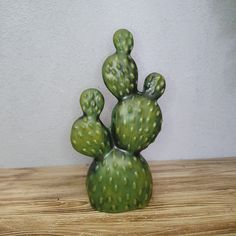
x=52 y=50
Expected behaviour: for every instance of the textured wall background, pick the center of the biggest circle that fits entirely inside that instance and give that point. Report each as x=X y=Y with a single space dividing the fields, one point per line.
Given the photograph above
x=52 y=50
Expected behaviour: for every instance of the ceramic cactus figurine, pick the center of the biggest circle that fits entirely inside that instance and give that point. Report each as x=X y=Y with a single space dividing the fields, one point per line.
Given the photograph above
x=119 y=178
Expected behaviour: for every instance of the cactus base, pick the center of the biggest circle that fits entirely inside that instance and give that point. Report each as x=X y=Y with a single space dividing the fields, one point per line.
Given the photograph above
x=121 y=182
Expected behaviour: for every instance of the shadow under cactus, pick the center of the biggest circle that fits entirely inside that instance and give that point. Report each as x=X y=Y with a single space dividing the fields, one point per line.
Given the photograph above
x=119 y=178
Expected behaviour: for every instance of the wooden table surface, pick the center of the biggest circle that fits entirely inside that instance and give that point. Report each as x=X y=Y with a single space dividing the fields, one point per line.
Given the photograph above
x=190 y=198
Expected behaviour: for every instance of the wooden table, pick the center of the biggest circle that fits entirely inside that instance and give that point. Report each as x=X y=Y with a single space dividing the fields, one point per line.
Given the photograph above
x=190 y=198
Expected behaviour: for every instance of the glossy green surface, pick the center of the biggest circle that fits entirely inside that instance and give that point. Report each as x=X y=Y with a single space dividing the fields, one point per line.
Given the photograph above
x=119 y=178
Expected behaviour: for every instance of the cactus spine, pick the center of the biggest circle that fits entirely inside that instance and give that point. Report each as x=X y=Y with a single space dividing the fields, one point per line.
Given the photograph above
x=119 y=178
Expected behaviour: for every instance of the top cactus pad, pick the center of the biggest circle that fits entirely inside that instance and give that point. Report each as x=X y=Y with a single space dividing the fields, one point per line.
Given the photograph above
x=119 y=178
x=119 y=71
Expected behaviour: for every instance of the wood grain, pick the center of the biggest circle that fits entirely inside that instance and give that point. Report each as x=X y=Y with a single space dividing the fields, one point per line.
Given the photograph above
x=190 y=198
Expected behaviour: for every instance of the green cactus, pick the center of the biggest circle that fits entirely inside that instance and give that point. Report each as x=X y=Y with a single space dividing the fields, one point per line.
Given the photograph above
x=119 y=178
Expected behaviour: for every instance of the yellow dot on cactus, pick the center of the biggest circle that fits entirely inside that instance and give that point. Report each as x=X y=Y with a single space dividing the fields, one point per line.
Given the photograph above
x=101 y=200
x=100 y=178
x=74 y=141
x=84 y=149
x=134 y=185
x=125 y=180
x=88 y=142
x=154 y=124
x=136 y=173
x=100 y=151
x=109 y=199
x=145 y=197
x=125 y=60
x=104 y=188
x=134 y=138
x=110 y=179
x=116 y=187
x=140 y=192
x=95 y=141
x=158 y=113
x=147 y=130
x=118 y=66
x=117 y=130
x=131 y=75
x=94 y=188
